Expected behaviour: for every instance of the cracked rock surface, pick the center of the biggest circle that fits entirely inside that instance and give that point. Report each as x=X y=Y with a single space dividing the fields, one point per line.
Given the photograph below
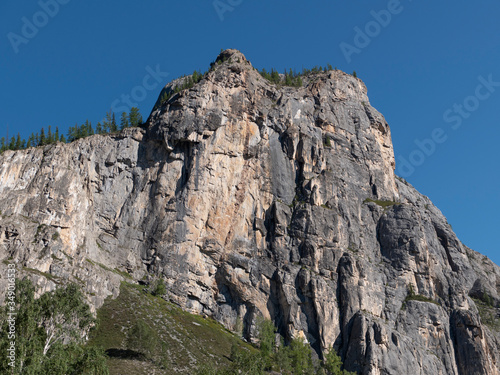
x=256 y=200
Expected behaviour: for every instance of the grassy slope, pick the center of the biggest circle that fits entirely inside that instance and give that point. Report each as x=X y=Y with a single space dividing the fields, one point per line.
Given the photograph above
x=189 y=339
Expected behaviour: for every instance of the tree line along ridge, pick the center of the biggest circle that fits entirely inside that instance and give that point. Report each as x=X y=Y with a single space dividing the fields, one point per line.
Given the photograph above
x=109 y=125
x=290 y=78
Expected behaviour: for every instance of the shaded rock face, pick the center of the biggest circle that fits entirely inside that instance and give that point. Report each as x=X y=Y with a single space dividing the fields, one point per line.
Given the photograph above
x=252 y=200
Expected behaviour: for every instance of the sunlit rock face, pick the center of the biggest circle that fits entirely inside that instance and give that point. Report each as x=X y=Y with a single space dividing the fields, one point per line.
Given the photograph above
x=256 y=200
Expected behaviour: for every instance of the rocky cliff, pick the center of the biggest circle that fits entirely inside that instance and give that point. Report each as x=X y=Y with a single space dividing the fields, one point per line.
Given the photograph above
x=256 y=200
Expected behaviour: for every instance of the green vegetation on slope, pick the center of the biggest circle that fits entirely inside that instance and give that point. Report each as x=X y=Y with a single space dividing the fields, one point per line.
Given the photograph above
x=383 y=204
x=290 y=78
x=293 y=78
x=189 y=81
x=143 y=333
x=488 y=312
x=293 y=359
x=412 y=296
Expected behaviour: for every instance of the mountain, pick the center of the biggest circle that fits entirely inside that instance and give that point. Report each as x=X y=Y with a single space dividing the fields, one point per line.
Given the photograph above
x=252 y=199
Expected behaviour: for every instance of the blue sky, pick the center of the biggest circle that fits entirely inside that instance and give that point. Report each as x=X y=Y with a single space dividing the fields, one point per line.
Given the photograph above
x=431 y=68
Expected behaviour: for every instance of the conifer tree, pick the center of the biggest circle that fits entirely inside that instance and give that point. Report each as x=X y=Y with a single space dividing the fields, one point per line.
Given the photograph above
x=18 y=142
x=56 y=135
x=88 y=128
x=106 y=123
x=81 y=131
x=288 y=78
x=71 y=134
x=43 y=139
x=114 y=127
x=49 y=135
x=124 y=121
x=275 y=77
x=265 y=74
x=135 y=117
x=110 y=123
x=12 y=144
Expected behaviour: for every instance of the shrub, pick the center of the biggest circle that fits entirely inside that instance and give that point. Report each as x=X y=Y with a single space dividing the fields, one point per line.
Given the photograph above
x=159 y=289
x=333 y=364
x=381 y=203
x=488 y=300
x=300 y=354
x=267 y=338
x=411 y=296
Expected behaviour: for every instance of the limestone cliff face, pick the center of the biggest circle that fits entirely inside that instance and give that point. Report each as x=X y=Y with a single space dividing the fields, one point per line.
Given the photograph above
x=252 y=200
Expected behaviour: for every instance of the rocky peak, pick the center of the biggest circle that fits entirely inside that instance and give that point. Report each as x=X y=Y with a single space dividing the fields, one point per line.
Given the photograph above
x=233 y=91
x=231 y=55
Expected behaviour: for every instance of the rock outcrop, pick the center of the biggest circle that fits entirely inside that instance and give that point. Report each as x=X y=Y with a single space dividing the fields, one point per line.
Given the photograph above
x=255 y=200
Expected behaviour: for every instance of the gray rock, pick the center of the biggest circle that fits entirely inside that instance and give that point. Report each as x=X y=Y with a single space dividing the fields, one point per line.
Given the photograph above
x=249 y=200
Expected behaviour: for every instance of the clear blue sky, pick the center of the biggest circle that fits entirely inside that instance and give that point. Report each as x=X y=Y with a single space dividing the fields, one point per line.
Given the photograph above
x=430 y=55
